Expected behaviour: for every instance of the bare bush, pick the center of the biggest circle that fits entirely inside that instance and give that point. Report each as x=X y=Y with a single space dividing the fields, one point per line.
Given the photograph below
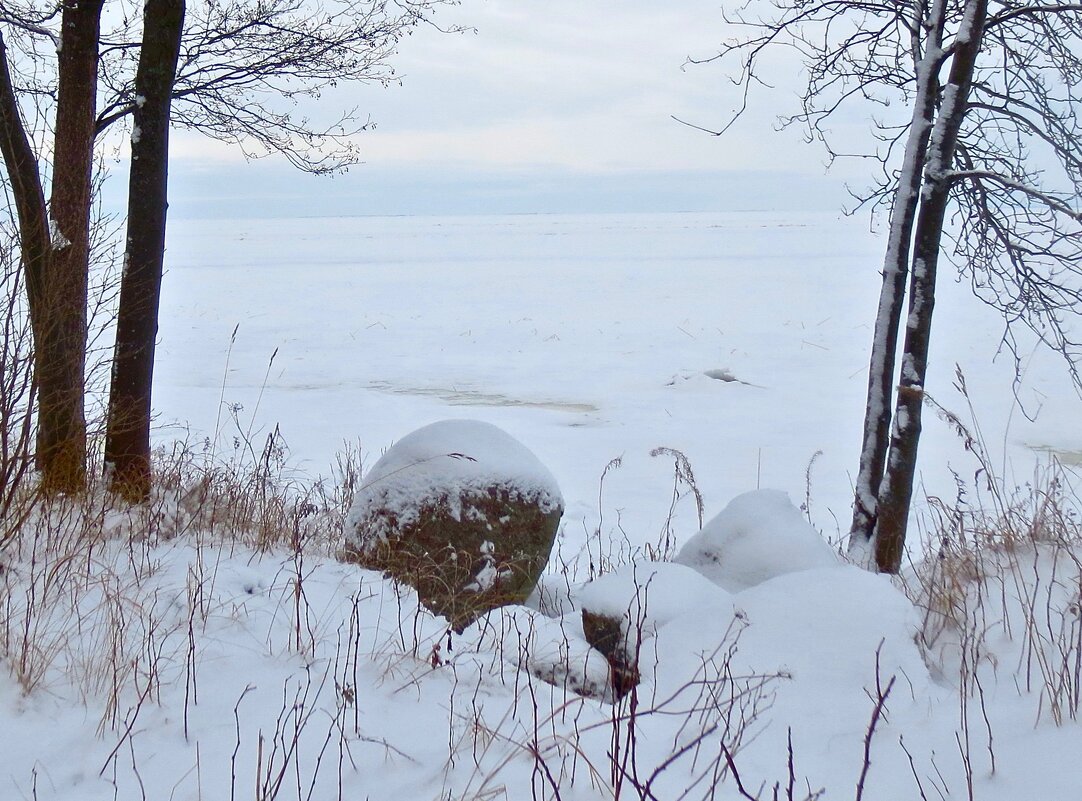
x=17 y=393
x=1005 y=564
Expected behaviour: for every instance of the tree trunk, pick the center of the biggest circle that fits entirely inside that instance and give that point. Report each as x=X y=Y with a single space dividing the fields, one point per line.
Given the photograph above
x=61 y=331
x=877 y=415
x=896 y=490
x=127 y=444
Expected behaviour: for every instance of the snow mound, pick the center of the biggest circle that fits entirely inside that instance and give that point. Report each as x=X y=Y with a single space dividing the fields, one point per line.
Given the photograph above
x=553 y=650
x=827 y=636
x=552 y=596
x=825 y=625
x=442 y=462
x=758 y=536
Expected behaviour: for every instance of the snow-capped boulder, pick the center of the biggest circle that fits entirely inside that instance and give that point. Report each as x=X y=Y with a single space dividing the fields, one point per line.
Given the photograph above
x=624 y=608
x=758 y=536
x=462 y=512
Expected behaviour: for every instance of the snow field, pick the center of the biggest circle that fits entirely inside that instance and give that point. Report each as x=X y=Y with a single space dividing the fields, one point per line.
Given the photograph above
x=584 y=337
x=196 y=654
x=194 y=665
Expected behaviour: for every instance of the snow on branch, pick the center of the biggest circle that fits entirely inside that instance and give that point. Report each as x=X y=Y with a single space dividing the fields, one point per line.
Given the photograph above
x=1047 y=199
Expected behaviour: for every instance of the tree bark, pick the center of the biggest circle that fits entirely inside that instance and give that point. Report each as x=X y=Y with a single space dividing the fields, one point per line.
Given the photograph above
x=127 y=444
x=877 y=415
x=61 y=332
x=896 y=490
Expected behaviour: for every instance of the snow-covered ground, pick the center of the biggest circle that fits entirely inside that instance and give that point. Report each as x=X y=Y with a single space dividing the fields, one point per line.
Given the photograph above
x=194 y=666
x=585 y=337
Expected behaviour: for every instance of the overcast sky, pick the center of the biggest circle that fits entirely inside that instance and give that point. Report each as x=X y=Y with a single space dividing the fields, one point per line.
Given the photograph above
x=552 y=105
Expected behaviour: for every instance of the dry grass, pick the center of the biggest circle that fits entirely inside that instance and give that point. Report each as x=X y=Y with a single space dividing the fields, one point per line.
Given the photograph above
x=77 y=592
x=83 y=604
x=1003 y=580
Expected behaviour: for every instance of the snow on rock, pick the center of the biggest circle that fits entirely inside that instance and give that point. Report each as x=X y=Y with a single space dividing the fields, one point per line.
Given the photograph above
x=647 y=595
x=442 y=462
x=462 y=512
x=624 y=608
x=758 y=536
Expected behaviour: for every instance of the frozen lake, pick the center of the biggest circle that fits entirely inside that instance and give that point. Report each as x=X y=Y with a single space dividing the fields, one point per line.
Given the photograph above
x=739 y=339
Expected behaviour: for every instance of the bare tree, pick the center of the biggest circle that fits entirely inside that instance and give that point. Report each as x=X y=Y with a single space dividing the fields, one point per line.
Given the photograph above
x=244 y=71
x=896 y=488
x=250 y=72
x=986 y=161
x=56 y=239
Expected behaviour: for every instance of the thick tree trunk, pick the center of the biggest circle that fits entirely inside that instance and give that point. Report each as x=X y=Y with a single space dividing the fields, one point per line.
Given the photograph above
x=896 y=490
x=877 y=415
x=127 y=444
x=61 y=333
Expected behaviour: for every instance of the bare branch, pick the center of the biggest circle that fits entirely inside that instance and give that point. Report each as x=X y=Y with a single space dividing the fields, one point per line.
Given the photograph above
x=248 y=68
x=1033 y=193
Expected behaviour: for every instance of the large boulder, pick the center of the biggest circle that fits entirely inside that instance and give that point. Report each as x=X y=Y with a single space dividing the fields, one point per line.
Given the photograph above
x=462 y=512
x=758 y=536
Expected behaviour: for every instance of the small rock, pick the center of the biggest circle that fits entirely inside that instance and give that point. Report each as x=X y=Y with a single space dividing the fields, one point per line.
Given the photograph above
x=624 y=608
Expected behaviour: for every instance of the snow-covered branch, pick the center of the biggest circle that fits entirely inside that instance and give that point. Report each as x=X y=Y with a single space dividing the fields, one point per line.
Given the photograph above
x=1037 y=10
x=1049 y=200
x=32 y=25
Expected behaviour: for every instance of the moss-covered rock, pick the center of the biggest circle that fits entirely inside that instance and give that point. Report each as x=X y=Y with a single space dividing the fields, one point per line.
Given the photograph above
x=462 y=512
